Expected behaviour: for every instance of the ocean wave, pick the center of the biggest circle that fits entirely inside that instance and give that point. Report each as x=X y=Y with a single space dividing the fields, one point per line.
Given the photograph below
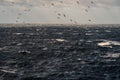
x=107 y=43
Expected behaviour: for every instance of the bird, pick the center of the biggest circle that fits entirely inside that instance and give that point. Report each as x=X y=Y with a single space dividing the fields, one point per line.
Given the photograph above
x=18 y=18
x=28 y=10
x=58 y=17
x=25 y=10
x=78 y=2
x=16 y=21
x=92 y=2
x=13 y=2
x=59 y=14
x=64 y=15
x=75 y=22
x=86 y=10
x=61 y=1
x=88 y=6
x=71 y=20
x=52 y=4
x=31 y=5
x=19 y=13
x=89 y=20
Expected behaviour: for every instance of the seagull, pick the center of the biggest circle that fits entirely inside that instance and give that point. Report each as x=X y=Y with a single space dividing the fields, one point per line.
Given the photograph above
x=31 y=5
x=59 y=14
x=18 y=18
x=61 y=1
x=92 y=2
x=64 y=15
x=88 y=6
x=25 y=10
x=89 y=20
x=86 y=10
x=28 y=10
x=52 y=4
x=16 y=21
x=19 y=13
x=78 y=2
x=75 y=22
x=71 y=20
x=13 y=2
x=58 y=17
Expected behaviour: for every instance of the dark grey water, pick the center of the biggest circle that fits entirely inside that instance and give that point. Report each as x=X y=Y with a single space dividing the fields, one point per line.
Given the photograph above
x=60 y=53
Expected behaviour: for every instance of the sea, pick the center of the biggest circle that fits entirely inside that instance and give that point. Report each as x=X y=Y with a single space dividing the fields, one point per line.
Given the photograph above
x=72 y=52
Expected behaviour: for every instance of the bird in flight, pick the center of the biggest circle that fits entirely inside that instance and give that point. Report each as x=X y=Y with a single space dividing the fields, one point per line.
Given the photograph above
x=89 y=20
x=52 y=4
x=78 y=2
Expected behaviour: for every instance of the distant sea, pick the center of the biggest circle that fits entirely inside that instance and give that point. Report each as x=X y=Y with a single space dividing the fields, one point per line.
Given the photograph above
x=59 y=52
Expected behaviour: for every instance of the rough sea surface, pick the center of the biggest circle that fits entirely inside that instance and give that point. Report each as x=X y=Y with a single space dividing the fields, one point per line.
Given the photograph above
x=60 y=53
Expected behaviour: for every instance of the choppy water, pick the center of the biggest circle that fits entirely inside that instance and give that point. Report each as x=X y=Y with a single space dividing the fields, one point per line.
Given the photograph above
x=60 y=53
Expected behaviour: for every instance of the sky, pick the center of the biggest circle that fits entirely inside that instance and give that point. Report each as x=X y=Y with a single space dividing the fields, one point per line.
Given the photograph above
x=60 y=11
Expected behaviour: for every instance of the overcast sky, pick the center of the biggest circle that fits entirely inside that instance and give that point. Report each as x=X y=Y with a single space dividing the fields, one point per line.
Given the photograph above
x=60 y=11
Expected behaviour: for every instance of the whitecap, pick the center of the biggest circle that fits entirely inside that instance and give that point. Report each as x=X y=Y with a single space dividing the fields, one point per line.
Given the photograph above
x=45 y=48
x=88 y=34
x=109 y=44
x=9 y=70
x=18 y=33
x=111 y=55
x=105 y=44
x=76 y=33
x=1 y=49
x=79 y=59
x=37 y=29
x=81 y=40
x=59 y=33
x=24 y=51
x=89 y=41
x=89 y=31
x=61 y=40
x=4 y=48
x=107 y=31
x=19 y=44
x=31 y=34
x=97 y=30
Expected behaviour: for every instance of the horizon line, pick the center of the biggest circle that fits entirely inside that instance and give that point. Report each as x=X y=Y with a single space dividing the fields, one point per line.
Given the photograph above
x=47 y=25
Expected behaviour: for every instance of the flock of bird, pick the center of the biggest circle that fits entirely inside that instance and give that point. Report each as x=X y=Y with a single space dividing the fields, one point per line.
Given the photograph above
x=71 y=20
x=59 y=14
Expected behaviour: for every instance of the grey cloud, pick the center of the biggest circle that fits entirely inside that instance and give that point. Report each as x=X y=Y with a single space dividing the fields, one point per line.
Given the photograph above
x=39 y=2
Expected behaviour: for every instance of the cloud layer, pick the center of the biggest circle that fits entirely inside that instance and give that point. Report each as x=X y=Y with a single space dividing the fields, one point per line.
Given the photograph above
x=46 y=11
x=60 y=2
